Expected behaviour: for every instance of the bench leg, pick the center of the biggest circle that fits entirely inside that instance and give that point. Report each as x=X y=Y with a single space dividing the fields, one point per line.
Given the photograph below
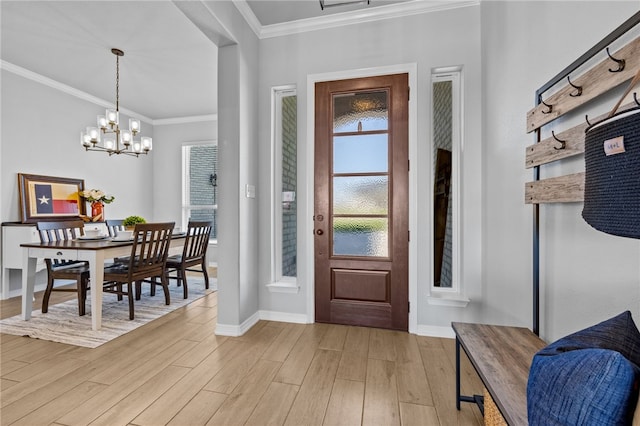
x=476 y=399
x=457 y=373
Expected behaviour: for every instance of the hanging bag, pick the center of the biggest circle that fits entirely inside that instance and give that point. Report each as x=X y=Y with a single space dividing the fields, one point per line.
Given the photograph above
x=612 y=172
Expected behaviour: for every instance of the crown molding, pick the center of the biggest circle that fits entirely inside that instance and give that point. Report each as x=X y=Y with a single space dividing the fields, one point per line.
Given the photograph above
x=249 y=16
x=185 y=120
x=398 y=10
x=39 y=78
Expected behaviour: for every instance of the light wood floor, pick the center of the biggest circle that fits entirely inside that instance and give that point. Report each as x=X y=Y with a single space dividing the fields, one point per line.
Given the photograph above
x=175 y=371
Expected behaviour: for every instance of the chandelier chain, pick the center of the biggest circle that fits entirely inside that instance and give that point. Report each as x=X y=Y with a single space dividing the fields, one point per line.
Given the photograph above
x=117 y=83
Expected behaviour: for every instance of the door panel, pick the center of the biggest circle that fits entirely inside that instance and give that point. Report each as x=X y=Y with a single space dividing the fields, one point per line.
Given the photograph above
x=361 y=201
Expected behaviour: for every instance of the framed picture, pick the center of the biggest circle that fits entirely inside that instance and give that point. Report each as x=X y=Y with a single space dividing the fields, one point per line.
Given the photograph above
x=50 y=198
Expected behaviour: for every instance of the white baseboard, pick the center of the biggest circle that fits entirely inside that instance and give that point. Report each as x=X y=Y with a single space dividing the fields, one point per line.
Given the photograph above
x=435 y=331
x=284 y=317
x=237 y=330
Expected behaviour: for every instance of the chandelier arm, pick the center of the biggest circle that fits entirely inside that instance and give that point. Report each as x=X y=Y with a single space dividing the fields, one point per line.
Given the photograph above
x=114 y=151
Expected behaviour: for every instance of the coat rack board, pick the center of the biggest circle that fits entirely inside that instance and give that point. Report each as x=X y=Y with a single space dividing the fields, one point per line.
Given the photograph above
x=610 y=72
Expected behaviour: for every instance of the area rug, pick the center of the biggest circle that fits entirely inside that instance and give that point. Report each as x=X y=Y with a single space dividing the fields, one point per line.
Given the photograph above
x=62 y=323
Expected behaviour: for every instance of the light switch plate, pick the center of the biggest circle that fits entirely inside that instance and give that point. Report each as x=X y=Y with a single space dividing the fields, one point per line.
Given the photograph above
x=251 y=191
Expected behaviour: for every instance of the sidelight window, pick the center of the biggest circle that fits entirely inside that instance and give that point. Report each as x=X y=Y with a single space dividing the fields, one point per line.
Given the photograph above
x=200 y=183
x=284 y=184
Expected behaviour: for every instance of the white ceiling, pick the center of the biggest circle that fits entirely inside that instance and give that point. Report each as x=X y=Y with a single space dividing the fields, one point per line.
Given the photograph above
x=270 y=12
x=169 y=70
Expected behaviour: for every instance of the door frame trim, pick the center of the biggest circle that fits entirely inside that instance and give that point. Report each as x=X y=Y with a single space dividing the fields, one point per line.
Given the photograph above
x=312 y=79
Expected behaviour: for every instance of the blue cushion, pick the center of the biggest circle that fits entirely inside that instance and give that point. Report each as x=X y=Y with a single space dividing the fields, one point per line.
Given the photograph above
x=618 y=334
x=582 y=387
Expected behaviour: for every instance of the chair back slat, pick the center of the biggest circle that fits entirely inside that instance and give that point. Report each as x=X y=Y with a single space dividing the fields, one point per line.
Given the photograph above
x=115 y=225
x=65 y=230
x=197 y=240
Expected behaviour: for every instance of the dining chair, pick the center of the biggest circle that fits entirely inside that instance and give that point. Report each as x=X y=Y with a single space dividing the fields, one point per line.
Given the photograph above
x=194 y=254
x=147 y=260
x=60 y=269
x=114 y=225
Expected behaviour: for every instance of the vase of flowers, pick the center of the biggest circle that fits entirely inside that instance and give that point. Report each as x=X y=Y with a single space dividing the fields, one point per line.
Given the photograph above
x=98 y=199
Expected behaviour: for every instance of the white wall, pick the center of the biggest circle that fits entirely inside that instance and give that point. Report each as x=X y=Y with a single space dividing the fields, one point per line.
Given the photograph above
x=520 y=45
x=238 y=164
x=586 y=276
x=41 y=135
x=429 y=40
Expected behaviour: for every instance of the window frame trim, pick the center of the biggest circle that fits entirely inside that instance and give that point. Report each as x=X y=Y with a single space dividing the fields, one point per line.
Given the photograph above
x=453 y=296
x=277 y=282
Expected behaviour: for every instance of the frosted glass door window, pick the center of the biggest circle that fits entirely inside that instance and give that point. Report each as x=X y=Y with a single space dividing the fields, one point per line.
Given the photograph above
x=360 y=174
x=362 y=111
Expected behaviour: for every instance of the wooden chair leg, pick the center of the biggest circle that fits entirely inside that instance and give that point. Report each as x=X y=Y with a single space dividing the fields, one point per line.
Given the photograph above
x=82 y=295
x=165 y=287
x=138 y=289
x=152 y=291
x=185 y=290
x=205 y=273
x=130 y=297
x=47 y=294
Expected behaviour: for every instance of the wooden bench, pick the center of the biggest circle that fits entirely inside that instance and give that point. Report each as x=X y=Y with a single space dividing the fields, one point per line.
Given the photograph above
x=502 y=357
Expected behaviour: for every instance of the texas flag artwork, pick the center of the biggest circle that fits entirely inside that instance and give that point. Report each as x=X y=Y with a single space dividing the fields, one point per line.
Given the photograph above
x=53 y=199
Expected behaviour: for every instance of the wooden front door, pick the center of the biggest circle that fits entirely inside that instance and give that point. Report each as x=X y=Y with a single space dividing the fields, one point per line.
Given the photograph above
x=361 y=218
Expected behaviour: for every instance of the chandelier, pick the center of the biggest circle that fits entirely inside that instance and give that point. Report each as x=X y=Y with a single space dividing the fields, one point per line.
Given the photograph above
x=108 y=136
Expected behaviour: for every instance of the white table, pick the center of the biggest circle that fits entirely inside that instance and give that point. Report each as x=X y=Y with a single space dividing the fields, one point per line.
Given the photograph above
x=94 y=252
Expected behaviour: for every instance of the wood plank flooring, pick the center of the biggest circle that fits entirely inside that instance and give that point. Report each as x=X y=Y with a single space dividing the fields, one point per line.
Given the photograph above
x=175 y=371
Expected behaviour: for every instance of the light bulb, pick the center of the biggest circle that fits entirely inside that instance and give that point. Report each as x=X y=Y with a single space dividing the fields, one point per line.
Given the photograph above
x=93 y=133
x=112 y=117
x=147 y=143
x=134 y=125
x=125 y=137
x=85 y=140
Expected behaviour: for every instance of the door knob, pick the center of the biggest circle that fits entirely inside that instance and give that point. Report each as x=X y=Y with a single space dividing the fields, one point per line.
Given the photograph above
x=319 y=232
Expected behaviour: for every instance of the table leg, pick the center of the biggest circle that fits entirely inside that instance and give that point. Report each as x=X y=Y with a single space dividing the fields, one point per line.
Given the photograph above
x=28 y=282
x=96 y=271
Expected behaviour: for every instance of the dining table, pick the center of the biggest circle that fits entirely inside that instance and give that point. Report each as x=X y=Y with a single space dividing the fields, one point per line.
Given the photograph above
x=92 y=250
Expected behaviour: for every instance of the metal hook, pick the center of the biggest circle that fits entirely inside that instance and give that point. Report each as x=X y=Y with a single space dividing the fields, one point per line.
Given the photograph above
x=548 y=106
x=635 y=98
x=579 y=88
x=563 y=143
x=586 y=118
x=621 y=62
